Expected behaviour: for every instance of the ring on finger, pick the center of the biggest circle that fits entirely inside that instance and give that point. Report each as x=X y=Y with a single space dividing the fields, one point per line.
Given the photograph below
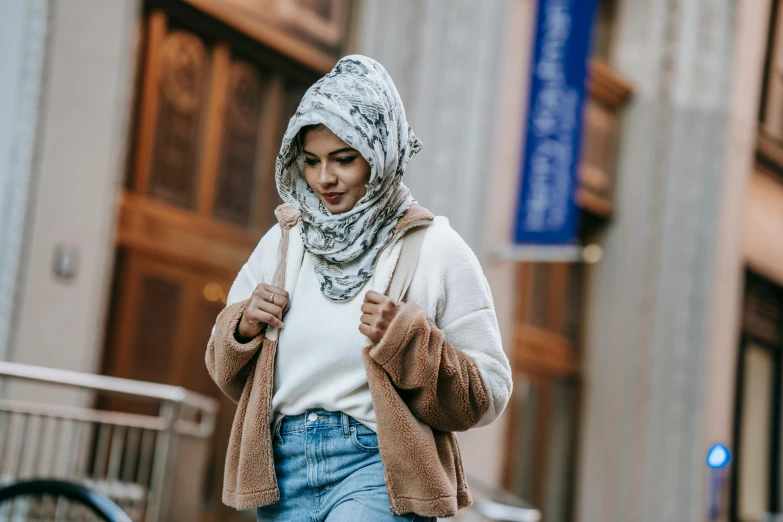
x=271 y=298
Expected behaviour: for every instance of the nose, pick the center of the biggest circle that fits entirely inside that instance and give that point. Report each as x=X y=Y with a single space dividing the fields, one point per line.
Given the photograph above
x=325 y=177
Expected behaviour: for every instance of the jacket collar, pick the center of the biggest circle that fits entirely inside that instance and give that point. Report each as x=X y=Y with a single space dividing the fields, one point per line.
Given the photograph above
x=414 y=216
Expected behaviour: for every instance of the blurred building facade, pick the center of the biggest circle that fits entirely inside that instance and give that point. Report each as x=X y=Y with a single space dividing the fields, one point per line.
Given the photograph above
x=137 y=145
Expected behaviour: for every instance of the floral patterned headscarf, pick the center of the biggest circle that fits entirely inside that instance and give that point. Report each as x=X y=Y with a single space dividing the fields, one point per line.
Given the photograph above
x=359 y=103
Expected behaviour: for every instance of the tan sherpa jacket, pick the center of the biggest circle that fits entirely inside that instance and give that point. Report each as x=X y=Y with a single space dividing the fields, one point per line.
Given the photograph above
x=423 y=390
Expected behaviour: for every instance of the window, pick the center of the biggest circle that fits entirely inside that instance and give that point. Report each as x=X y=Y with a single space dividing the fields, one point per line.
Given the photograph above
x=756 y=488
x=771 y=110
x=770 y=138
x=540 y=468
x=606 y=14
x=544 y=409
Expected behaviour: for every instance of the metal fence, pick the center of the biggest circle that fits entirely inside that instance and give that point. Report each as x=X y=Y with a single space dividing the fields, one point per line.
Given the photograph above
x=494 y=505
x=153 y=466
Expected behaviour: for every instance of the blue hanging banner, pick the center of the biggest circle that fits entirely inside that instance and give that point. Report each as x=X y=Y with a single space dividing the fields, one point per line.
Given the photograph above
x=547 y=215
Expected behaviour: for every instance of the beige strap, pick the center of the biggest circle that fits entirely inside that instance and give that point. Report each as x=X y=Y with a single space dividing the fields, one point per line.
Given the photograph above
x=406 y=264
x=279 y=277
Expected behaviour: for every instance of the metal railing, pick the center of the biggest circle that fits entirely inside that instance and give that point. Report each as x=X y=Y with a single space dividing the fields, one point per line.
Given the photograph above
x=139 y=461
x=64 y=499
x=494 y=505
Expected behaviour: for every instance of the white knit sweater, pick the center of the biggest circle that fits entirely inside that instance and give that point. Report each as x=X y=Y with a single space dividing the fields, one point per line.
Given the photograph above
x=319 y=354
x=448 y=285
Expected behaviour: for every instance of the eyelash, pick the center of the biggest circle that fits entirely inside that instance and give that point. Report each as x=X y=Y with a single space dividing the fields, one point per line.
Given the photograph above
x=346 y=160
x=342 y=161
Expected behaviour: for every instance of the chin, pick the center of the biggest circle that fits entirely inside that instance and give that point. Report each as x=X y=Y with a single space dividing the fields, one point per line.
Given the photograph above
x=339 y=208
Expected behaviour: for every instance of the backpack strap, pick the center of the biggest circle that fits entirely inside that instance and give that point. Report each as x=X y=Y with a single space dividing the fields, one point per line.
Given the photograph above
x=282 y=258
x=406 y=264
x=287 y=217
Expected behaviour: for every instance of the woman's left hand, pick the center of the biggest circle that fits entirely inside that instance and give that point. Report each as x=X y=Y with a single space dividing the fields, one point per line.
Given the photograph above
x=378 y=311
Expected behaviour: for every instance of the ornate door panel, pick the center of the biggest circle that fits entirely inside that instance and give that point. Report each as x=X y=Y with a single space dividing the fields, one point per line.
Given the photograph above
x=162 y=316
x=200 y=191
x=183 y=66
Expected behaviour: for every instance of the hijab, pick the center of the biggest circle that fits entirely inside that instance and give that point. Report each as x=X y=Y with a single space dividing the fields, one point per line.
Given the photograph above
x=359 y=103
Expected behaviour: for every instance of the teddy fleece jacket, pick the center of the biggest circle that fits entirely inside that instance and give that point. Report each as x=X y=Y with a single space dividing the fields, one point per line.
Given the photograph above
x=440 y=368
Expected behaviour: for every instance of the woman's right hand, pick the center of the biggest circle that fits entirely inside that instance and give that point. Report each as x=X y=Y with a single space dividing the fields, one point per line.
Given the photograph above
x=268 y=305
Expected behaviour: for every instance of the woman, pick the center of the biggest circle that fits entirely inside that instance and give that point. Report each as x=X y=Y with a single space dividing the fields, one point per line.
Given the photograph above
x=348 y=398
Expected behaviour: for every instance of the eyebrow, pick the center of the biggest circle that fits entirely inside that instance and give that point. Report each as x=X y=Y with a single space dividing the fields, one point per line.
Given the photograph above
x=338 y=151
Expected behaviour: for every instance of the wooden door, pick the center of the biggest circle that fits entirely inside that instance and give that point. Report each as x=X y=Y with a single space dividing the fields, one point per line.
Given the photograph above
x=211 y=108
x=541 y=438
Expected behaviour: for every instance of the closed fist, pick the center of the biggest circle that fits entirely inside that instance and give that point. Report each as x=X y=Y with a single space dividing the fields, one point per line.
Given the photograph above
x=378 y=311
x=268 y=305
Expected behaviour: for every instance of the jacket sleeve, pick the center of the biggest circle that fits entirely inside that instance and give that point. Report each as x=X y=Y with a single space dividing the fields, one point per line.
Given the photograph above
x=441 y=385
x=450 y=366
x=228 y=361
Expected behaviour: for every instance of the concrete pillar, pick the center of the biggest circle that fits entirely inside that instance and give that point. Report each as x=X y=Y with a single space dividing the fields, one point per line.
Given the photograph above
x=662 y=310
x=82 y=138
x=23 y=32
x=444 y=57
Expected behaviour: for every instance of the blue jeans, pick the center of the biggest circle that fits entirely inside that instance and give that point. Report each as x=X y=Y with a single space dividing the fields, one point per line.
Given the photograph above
x=329 y=470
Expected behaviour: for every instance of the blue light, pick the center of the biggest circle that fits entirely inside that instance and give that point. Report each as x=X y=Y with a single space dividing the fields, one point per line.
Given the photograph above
x=718 y=457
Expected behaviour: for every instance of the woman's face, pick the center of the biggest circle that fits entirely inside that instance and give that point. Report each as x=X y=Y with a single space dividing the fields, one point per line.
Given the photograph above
x=337 y=173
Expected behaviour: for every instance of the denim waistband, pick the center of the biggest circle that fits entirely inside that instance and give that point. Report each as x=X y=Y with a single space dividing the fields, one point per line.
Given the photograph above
x=314 y=419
